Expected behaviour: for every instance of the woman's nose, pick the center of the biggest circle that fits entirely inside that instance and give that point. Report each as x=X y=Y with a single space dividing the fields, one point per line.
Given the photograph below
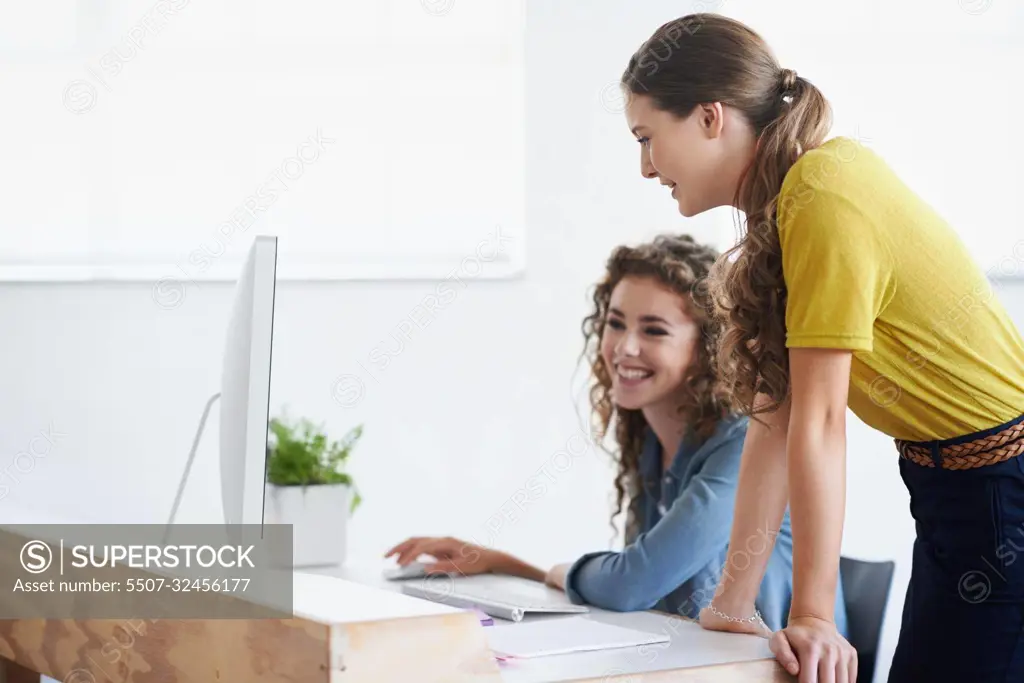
x=628 y=345
x=647 y=169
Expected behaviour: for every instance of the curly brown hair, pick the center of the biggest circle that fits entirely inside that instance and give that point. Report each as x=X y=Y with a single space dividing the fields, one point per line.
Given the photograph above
x=703 y=58
x=681 y=264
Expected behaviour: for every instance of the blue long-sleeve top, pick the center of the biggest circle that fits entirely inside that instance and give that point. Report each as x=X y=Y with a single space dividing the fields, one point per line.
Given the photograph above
x=676 y=560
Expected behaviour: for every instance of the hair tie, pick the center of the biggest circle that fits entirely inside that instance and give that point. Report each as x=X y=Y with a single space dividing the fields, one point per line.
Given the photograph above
x=788 y=77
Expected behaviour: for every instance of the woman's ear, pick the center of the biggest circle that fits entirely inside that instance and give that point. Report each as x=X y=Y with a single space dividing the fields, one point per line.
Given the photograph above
x=712 y=118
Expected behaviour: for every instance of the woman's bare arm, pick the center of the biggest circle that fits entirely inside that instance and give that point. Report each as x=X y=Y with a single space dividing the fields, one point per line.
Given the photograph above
x=817 y=476
x=799 y=457
x=761 y=498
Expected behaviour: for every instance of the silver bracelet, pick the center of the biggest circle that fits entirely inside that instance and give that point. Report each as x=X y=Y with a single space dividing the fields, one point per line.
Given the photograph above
x=755 y=618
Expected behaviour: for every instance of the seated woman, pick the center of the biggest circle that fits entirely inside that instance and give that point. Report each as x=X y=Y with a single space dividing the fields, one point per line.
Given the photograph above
x=650 y=345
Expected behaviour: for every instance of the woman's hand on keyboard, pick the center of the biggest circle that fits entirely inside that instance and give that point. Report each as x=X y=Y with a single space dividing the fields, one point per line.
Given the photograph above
x=451 y=555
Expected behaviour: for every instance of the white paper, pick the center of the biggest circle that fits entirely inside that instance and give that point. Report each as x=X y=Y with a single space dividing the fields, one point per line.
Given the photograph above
x=561 y=636
x=332 y=600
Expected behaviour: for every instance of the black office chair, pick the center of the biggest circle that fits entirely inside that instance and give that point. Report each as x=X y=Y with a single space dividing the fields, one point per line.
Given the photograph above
x=866 y=588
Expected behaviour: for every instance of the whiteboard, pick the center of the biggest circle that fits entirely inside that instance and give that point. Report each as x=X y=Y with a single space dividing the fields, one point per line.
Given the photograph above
x=376 y=140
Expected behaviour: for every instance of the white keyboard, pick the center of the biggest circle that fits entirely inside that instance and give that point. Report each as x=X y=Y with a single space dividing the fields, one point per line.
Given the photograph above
x=503 y=601
x=512 y=596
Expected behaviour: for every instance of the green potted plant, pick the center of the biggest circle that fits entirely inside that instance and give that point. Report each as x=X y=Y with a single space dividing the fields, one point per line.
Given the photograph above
x=308 y=487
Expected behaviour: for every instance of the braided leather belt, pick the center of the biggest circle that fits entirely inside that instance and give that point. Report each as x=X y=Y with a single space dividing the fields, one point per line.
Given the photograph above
x=989 y=450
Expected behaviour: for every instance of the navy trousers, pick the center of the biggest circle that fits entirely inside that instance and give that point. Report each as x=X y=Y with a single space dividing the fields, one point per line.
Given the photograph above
x=963 y=619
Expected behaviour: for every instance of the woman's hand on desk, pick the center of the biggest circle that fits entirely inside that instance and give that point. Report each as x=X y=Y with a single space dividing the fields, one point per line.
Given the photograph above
x=452 y=555
x=713 y=622
x=459 y=557
x=808 y=647
x=814 y=649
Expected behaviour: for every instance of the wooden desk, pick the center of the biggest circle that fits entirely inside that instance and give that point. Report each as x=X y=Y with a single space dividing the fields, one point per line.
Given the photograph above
x=692 y=655
x=345 y=632
x=350 y=626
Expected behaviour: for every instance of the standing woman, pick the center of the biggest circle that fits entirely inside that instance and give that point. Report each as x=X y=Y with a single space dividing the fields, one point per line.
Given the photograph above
x=846 y=289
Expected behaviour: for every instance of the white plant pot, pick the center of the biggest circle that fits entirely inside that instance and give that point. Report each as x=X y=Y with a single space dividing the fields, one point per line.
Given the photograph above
x=319 y=517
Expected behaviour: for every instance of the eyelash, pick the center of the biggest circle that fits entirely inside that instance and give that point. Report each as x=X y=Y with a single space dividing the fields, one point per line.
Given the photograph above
x=643 y=141
x=653 y=331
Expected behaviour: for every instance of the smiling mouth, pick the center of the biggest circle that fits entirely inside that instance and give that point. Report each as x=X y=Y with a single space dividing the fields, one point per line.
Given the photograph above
x=632 y=375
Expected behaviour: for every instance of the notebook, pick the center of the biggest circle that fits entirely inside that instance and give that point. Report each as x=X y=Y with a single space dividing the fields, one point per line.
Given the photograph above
x=546 y=637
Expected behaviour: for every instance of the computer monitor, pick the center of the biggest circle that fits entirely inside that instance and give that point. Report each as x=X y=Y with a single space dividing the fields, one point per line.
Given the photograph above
x=245 y=386
x=244 y=392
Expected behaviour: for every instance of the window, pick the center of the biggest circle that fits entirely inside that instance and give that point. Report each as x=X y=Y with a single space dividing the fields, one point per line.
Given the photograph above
x=153 y=139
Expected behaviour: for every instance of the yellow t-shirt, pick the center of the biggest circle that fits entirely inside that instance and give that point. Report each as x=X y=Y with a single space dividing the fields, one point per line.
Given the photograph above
x=870 y=267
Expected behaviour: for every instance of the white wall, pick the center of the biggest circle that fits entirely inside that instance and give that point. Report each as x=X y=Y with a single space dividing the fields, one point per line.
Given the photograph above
x=474 y=405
